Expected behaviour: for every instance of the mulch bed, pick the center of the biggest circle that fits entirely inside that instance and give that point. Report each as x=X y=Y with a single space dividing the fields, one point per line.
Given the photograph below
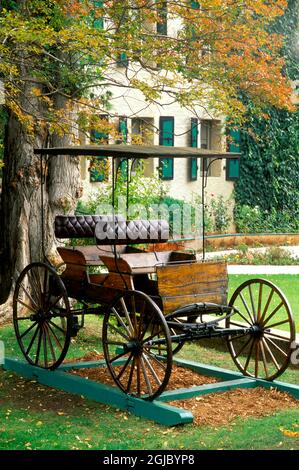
x=215 y=409
x=180 y=377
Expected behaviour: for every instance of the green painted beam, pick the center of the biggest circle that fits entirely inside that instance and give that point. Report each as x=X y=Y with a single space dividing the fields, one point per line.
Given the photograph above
x=212 y=371
x=159 y=412
x=281 y=386
x=185 y=393
x=82 y=365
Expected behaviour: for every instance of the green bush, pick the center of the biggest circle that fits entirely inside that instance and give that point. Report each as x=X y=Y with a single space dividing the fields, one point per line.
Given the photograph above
x=256 y=220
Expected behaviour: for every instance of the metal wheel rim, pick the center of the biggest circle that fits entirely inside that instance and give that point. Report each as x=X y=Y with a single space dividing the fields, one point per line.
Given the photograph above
x=145 y=369
x=263 y=348
x=45 y=342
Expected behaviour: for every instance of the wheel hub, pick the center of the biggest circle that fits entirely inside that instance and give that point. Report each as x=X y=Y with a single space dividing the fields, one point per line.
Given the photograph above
x=39 y=316
x=134 y=346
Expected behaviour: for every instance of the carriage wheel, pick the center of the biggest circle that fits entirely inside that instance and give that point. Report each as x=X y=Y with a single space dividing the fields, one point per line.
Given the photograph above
x=137 y=345
x=41 y=316
x=265 y=351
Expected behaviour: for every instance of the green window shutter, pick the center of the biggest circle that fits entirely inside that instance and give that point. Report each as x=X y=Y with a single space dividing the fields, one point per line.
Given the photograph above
x=97 y=137
x=95 y=19
x=162 y=22
x=194 y=132
x=193 y=169
x=234 y=140
x=194 y=144
x=166 y=168
x=123 y=129
x=122 y=60
x=232 y=169
x=166 y=138
x=123 y=132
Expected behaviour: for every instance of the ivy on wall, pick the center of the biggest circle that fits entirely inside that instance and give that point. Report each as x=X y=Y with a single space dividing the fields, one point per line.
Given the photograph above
x=267 y=193
x=269 y=173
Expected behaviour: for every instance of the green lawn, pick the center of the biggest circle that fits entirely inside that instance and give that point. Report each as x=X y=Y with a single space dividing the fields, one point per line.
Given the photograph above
x=36 y=417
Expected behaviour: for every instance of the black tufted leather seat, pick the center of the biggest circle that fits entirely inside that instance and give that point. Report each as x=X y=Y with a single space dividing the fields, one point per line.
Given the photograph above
x=78 y=226
x=131 y=231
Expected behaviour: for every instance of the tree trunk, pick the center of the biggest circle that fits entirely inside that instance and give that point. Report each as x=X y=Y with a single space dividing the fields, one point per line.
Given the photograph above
x=20 y=216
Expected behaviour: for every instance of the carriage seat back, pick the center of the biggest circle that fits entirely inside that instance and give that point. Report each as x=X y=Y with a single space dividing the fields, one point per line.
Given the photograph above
x=129 y=232
x=78 y=226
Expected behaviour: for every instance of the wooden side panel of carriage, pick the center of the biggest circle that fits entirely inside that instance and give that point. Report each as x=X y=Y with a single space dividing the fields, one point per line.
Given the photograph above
x=180 y=285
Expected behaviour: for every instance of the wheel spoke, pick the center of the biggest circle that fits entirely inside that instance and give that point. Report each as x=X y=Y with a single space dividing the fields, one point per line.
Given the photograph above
x=247 y=309
x=55 y=336
x=267 y=305
x=124 y=367
x=127 y=316
x=257 y=356
x=252 y=303
x=264 y=359
x=116 y=330
x=118 y=356
x=158 y=381
x=273 y=313
x=259 y=307
x=50 y=342
x=30 y=297
x=120 y=320
x=32 y=340
x=54 y=303
x=277 y=347
x=152 y=356
x=147 y=381
x=27 y=306
x=130 y=376
x=270 y=353
x=45 y=346
x=57 y=327
x=28 y=329
x=243 y=347
x=153 y=335
x=278 y=323
x=38 y=346
x=249 y=356
x=275 y=335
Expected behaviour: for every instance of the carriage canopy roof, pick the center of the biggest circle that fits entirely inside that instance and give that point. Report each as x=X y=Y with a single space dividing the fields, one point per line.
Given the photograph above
x=134 y=151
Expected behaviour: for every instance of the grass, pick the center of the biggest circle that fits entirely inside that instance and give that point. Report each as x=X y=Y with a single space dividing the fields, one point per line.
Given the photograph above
x=36 y=417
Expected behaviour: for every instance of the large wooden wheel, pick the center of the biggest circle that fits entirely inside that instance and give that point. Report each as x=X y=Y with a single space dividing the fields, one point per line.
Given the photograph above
x=137 y=345
x=41 y=316
x=265 y=351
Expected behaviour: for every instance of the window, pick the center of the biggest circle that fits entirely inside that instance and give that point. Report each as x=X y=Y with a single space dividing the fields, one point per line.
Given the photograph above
x=98 y=168
x=233 y=164
x=193 y=143
x=162 y=21
x=166 y=138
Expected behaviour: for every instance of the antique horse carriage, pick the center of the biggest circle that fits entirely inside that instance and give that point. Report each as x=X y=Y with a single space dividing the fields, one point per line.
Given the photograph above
x=152 y=301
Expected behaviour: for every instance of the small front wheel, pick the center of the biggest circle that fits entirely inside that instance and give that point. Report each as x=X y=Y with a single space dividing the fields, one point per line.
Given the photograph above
x=137 y=345
x=264 y=351
x=41 y=316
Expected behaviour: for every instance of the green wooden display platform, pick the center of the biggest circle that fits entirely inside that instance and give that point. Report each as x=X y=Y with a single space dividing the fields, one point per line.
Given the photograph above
x=158 y=410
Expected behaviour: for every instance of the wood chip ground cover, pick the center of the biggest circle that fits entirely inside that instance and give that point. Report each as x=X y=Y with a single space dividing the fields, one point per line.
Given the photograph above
x=215 y=409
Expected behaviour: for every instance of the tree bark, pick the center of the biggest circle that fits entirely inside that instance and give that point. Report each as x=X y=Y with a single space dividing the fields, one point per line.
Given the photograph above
x=20 y=210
